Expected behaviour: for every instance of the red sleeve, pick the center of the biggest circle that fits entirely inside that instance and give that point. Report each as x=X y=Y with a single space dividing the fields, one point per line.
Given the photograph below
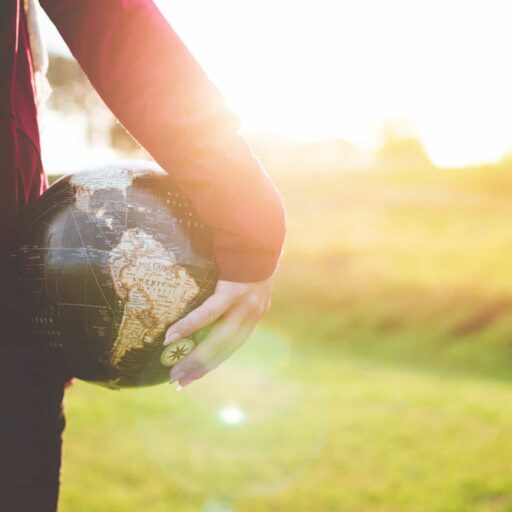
x=157 y=90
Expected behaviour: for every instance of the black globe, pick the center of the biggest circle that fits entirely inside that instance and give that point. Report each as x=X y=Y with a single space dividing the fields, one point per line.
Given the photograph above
x=109 y=258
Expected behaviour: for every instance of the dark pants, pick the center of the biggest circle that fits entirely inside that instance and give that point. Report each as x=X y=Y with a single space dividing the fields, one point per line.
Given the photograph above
x=31 y=415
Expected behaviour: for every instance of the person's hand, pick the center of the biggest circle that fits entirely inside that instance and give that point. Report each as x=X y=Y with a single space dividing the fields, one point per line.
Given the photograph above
x=238 y=307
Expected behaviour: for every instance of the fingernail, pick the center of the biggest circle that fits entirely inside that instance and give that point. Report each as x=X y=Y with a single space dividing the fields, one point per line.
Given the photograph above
x=179 y=388
x=177 y=376
x=185 y=383
x=171 y=338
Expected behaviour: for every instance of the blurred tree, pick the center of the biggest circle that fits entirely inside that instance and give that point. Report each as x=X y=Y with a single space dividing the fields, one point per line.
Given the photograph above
x=74 y=95
x=401 y=149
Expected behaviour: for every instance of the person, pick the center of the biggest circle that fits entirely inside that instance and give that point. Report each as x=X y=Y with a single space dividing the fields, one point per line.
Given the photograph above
x=158 y=91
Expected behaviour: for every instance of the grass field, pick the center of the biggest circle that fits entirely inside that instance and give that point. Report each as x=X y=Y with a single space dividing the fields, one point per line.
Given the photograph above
x=380 y=381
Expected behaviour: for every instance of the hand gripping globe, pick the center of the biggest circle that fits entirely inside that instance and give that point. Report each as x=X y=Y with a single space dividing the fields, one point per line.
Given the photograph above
x=109 y=258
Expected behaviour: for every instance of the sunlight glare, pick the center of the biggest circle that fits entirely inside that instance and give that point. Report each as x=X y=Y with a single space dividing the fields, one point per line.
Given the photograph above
x=346 y=68
x=314 y=69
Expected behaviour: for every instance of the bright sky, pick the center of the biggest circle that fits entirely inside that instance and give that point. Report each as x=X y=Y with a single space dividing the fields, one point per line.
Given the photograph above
x=345 y=68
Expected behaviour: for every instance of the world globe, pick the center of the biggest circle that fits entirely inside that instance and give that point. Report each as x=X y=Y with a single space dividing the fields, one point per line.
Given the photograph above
x=109 y=258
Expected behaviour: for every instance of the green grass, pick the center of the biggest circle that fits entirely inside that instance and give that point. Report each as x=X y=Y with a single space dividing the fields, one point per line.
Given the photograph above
x=380 y=381
x=326 y=432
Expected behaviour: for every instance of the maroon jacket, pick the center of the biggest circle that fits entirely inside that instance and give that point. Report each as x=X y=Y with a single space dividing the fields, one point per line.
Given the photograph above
x=157 y=90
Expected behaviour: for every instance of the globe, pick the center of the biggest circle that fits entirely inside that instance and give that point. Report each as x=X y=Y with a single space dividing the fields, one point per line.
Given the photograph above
x=109 y=258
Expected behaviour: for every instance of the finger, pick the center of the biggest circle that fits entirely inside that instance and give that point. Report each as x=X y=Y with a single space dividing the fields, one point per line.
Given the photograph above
x=241 y=337
x=221 y=334
x=235 y=343
x=209 y=311
x=214 y=343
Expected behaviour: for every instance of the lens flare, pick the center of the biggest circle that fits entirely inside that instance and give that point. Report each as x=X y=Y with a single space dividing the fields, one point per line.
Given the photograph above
x=251 y=427
x=231 y=415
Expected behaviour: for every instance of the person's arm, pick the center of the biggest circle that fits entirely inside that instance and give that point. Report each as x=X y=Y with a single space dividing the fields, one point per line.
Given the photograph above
x=157 y=90
x=154 y=86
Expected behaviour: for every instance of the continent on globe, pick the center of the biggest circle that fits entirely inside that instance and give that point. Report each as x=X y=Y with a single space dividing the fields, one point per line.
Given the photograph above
x=154 y=290
x=88 y=185
x=87 y=182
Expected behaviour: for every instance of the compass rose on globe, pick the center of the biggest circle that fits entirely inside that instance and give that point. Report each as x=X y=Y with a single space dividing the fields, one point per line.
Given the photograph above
x=176 y=351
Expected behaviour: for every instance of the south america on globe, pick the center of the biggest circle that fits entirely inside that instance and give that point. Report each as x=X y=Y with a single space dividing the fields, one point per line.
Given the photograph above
x=109 y=258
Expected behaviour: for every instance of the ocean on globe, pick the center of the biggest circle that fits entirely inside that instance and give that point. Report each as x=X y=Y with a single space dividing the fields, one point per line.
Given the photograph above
x=109 y=258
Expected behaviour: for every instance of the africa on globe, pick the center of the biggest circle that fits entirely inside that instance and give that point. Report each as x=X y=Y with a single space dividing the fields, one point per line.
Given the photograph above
x=109 y=258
